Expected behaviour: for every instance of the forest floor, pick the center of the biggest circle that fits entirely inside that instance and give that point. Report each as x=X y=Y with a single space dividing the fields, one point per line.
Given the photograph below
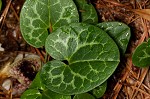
x=128 y=81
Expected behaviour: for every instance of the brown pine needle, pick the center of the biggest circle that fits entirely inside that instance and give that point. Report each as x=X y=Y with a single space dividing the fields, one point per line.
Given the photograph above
x=3 y=16
x=118 y=86
x=39 y=53
x=143 y=74
x=137 y=89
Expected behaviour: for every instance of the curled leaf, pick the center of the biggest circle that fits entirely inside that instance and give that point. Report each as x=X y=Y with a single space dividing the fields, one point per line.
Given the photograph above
x=119 y=32
x=38 y=16
x=87 y=11
x=100 y=90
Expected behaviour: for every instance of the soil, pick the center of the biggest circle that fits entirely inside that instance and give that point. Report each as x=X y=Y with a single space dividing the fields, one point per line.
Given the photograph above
x=128 y=81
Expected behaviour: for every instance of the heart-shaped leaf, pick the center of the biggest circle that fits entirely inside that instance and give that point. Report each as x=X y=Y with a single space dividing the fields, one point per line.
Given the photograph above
x=38 y=16
x=87 y=12
x=85 y=56
x=141 y=55
x=83 y=96
x=119 y=32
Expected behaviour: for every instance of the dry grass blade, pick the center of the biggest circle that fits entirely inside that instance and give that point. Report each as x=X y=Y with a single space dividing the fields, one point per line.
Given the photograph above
x=144 y=13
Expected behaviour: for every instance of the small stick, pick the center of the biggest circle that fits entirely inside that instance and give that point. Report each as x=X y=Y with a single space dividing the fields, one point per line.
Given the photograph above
x=3 y=16
x=39 y=53
x=14 y=12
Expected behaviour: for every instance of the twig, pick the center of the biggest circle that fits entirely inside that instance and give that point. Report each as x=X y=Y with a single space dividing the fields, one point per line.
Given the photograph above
x=17 y=17
x=3 y=16
x=39 y=53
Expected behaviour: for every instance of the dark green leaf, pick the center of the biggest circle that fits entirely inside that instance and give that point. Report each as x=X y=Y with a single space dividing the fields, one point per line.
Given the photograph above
x=37 y=83
x=52 y=95
x=141 y=55
x=31 y=94
x=85 y=56
x=100 y=90
x=119 y=32
x=87 y=12
x=46 y=94
x=83 y=96
x=41 y=91
x=37 y=16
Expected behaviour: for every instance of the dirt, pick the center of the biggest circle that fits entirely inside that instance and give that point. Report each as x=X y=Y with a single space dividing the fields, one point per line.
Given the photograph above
x=128 y=81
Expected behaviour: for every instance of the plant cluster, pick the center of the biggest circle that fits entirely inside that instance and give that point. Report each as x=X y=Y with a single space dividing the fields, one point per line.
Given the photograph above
x=85 y=53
